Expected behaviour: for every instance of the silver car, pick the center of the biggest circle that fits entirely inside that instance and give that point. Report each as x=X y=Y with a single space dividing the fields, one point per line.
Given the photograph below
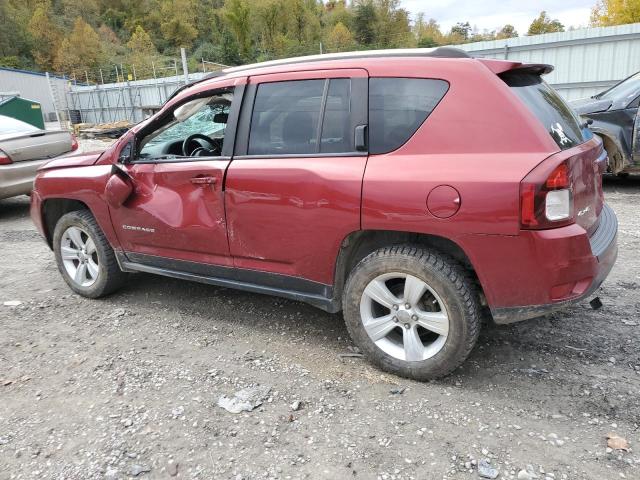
x=24 y=148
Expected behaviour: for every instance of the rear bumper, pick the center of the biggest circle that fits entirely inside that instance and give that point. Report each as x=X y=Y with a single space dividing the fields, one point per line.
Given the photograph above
x=604 y=251
x=17 y=178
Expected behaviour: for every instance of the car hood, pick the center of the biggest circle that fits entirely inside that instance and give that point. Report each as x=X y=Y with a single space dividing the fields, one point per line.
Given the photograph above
x=590 y=105
x=78 y=160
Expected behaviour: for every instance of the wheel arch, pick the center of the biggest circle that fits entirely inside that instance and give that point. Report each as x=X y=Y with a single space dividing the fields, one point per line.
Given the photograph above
x=618 y=157
x=52 y=211
x=357 y=245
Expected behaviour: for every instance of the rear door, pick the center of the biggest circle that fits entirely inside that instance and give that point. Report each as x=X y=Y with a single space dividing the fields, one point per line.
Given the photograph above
x=293 y=190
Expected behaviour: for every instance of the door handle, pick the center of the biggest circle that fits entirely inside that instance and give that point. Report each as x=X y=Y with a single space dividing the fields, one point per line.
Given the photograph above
x=203 y=180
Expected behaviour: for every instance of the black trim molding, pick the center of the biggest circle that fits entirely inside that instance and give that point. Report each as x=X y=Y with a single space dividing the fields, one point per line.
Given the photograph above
x=295 y=288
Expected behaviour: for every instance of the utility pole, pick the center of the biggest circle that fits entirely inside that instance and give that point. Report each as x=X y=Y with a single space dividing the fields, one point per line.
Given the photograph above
x=185 y=70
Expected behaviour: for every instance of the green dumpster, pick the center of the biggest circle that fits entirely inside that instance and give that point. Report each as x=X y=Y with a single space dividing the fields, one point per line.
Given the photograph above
x=22 y=109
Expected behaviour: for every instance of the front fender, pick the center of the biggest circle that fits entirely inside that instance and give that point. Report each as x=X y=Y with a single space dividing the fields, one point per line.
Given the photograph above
x=84 y=184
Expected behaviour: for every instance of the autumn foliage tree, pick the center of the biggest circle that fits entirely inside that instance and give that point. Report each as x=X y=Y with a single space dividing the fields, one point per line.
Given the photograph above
x=79 y=51
x=142 y=52
x=45 y=36
x=615 y=12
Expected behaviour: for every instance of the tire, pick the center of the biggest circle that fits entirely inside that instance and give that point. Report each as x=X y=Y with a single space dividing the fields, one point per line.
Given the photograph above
x=102 y=275
x=449 y=307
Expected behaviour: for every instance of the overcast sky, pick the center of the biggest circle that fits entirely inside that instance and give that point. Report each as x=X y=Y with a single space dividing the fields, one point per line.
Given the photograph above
x=493 y=14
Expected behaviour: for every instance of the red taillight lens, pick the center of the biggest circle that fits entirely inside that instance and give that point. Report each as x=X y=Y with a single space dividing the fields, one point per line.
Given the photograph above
x=74 y=143
x=559 y=178
x=546 y=198
x=4 y=158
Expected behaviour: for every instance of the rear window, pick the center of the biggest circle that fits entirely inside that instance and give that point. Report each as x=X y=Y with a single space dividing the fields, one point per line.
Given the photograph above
x=549 y=107
x=397 y=107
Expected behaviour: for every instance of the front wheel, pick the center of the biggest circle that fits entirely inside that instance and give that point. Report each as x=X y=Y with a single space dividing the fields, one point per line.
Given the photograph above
x=412 y=311
x=84 y=257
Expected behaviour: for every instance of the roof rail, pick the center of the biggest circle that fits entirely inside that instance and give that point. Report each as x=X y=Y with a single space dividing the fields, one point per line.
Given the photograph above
x=208 y=76
x=440 y=52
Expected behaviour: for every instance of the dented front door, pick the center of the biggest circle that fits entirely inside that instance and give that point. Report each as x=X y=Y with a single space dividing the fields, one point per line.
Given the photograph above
x=175 y=210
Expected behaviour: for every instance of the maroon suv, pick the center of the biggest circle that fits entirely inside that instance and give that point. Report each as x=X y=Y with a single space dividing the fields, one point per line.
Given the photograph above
x=408 y=189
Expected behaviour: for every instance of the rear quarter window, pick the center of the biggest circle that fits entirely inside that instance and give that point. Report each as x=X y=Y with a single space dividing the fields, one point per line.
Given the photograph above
x=397 y=108
x=549 y=107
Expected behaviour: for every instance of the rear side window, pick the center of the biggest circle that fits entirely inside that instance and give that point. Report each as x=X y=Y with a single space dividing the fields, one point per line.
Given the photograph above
x=302 y=117
x=285 y=118
x=549 y=107
x=397 y=107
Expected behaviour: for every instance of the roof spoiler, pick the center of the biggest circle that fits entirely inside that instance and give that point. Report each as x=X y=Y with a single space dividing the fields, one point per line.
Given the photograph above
x=501 y=67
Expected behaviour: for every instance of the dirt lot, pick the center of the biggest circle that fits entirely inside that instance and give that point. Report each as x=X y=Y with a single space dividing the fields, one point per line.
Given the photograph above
x=128 y=385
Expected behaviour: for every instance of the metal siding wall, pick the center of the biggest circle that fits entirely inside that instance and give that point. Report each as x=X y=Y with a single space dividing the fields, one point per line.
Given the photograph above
x=586 y=61
x=123 y=101
x=31 y=86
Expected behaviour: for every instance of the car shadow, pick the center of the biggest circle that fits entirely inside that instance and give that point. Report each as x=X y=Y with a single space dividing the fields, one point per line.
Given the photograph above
x=14 y=208
x=614 y=182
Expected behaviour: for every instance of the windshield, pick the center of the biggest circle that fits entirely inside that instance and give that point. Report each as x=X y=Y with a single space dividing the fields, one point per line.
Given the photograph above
x=626 y=91
x=10 y=125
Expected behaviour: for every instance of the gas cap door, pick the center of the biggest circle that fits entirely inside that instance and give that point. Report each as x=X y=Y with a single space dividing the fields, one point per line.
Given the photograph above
x=443 y=201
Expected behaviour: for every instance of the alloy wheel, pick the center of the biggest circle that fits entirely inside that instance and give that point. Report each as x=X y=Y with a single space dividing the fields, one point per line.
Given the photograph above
x=79 y=256
x=404 y=316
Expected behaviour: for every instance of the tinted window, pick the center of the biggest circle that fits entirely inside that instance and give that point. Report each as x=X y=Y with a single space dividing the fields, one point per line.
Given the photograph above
x=397 y=107
x=626 y=90
x=549 y=107
x=285 y=118
x=337 y=134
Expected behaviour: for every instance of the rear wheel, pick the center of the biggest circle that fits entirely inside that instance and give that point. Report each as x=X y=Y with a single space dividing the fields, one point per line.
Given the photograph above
x=412 y=311
x=84 y=257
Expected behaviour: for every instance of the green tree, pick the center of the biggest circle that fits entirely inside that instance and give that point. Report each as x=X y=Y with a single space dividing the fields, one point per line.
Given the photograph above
x=340 y=39
x=178 y=20
x=545 y=24
x=393 y=25
x=427 y=32
x=508 y=31
x=237 y=14
x=615 y=12
x=461 y=30
x=79 y=51
x=364 y=22
x=142 y=52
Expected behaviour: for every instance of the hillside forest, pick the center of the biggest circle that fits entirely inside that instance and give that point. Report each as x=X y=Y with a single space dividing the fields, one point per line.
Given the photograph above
x=92 y=39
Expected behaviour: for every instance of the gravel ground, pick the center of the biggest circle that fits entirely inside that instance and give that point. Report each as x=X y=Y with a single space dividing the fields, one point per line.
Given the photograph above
x=128 y=386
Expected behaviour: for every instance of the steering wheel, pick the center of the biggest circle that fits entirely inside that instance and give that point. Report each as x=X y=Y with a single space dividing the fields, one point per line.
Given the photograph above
x=199 y=148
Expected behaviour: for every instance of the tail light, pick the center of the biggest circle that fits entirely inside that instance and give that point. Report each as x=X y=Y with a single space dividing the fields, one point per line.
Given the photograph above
x=4 y=158
x=74 y=143
x=546 y=197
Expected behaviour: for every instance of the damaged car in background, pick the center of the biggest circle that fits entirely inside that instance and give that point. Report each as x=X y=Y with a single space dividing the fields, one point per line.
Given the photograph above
x=613 y=115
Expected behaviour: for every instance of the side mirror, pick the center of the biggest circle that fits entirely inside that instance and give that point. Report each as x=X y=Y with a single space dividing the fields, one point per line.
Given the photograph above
x=118 y=188
x=125 y=154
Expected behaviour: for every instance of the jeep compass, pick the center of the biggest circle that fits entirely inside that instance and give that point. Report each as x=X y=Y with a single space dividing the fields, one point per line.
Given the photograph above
x=412 y=190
